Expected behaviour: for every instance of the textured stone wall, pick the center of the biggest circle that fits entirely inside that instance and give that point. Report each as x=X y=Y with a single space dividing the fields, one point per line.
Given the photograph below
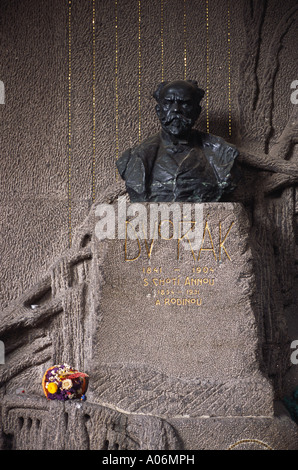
x=34 y=120
x=60 y=71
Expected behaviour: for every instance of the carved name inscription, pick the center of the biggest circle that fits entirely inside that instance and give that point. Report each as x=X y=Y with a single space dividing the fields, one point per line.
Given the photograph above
x=175 y=288
x=177 y=291
x=216 y=248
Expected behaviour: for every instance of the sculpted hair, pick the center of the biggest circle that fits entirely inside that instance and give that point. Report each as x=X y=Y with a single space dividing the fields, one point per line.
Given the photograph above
x=199 y=93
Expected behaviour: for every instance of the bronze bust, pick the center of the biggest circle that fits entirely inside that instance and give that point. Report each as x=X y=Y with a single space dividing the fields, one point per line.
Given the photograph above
x=179 y=163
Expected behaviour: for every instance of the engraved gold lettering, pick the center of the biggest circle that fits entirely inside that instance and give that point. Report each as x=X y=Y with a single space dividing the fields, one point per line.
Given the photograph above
x=193 y=292
x=221 y=242
x=162 y=281
x=187 y=238
x=149 y=249
x=190 y=281
x=206 y=229
x=184 y=301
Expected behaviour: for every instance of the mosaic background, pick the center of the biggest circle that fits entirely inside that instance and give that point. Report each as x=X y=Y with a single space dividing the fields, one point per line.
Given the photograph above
x=52 y=167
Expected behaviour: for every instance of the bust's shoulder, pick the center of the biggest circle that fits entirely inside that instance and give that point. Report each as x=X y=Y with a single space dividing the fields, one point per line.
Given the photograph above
x=147 y=144
x=214 y=142
x=141 y=154
x=220 y=154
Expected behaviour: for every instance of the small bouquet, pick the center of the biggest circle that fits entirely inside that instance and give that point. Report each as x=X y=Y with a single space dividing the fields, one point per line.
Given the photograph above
x=62 y=382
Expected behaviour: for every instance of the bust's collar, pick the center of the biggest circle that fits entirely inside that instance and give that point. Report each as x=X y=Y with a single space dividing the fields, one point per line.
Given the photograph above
x=172 y=141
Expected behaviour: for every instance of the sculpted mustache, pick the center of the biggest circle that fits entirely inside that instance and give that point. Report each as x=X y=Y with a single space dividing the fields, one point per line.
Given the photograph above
x=169 y=119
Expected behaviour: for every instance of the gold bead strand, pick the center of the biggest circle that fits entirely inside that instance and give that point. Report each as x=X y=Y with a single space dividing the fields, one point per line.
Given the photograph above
x=69 y=122
x=185 y=39
x=93 y=101
x=139 y=66
x=162 y=38
x=207 y=68
x=116 y=87
x=229 y=70
x=250 y=441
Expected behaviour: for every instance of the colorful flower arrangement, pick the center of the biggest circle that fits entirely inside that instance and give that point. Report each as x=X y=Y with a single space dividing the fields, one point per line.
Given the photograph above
x=62 y=382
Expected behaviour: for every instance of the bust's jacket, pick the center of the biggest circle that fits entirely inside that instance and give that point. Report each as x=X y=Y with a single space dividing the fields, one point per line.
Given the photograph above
x=135 y=165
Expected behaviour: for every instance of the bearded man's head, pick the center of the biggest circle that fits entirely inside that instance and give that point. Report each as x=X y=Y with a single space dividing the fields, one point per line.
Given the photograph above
x=178 y=106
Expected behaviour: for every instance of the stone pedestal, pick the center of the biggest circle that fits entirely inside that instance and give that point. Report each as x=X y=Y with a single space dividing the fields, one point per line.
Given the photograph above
x=178 y=335
x=159 y=304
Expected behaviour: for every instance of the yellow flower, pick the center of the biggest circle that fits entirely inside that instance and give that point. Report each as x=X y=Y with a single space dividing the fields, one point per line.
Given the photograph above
x=52 y=388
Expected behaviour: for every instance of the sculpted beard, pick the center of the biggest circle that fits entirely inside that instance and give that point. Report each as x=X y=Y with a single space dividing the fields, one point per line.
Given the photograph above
x=176 y=119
